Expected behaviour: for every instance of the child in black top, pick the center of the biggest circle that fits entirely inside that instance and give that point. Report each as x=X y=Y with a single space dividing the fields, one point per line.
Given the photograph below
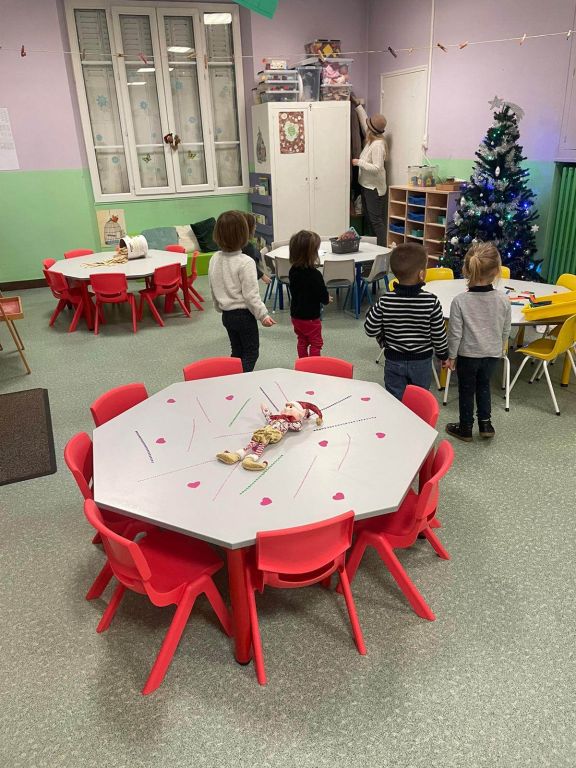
x=252 y=250
x=308 y=292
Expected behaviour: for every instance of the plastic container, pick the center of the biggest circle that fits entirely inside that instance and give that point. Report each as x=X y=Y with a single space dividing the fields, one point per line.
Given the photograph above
x=417 y=233
x=441 y=219
x=422 y=175
x=136 y=246
x=345 y=246
x=398 y=228
x=310 y=78
x=419 y=217
x=271 y=77
x=335 y=92
x=417 y=200
x=280 y=96
x=562 y=305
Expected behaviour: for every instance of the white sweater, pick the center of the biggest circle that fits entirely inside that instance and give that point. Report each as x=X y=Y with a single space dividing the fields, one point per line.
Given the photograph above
x=234 y=283
x=372 y=173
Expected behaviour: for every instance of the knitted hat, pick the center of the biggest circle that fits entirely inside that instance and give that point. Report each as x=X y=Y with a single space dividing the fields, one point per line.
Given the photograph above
x=377 y=124
x=314 y=408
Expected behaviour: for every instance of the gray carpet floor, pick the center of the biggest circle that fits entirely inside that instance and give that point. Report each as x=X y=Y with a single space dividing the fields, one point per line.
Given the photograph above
x=490 y=683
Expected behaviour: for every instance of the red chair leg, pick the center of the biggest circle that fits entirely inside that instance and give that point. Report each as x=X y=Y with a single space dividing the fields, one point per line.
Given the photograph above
x=111 y=608
x=435 y=523
x=97 y=539
x=76 y=318
x=183 y=306
x=132 y=301
x=436 y=544
x=351 y=607
x=218 y=606
x=170 y=642
x=356 y=555
x=419 y=605
x=194 y=301
x=59 y=307
x=195 y=293
x=97 y=317
x=256 y=639
x=100 y=582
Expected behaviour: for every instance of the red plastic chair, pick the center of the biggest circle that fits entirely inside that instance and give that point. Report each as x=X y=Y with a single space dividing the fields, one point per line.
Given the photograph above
x=66 y=295
x=170 y=569
x=166 y=282
x=423 y=404
x=330 y=366
x=116 y=401
x=188 y=279
x=47 y=263
x=78 y=252
x=400 y=530
x=78 y=457
x=299 y=557
x=211 y=367
x=112 y=288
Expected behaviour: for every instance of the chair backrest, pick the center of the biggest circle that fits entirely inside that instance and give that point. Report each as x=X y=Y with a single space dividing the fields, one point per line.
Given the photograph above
x=175 y=248
x=329 y=366
x=211 y=367
x=270 y=265
x=78 y=458
x=57 y=284
x=110 y=286
x=428 y=496
x=393 y=283
x=125 y=556
x=439 y=273
x=567 y=281
x=566 y=336
x=193 y=273
x=78 y=252
x=116 y=401
x=336 y=270
x=280 y=243
x=504 y=271
x=380 y=267
x=47 y=263
x=167 y=279
x=282 y=267
x=307 y=551
x=422 y=403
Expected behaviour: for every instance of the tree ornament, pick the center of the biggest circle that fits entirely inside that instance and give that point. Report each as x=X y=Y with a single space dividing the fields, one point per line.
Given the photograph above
x=497 y=171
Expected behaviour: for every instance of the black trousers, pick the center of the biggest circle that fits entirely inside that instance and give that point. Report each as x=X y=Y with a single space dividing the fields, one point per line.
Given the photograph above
x=474 y=374
x=374 y=211
x=242 y=330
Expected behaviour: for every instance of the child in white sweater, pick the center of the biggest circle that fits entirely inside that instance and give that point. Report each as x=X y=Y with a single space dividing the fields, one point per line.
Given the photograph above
x=234 y=288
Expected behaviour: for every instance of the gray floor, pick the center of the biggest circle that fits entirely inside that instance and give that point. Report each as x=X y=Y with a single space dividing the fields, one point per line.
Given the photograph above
x=490 y=683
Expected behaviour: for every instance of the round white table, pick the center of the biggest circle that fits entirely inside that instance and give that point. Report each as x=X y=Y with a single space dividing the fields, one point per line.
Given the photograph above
x=78 y=269
x=157 y=461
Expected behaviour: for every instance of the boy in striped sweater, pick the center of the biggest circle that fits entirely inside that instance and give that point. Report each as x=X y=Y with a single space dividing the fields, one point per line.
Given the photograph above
x=408 y=323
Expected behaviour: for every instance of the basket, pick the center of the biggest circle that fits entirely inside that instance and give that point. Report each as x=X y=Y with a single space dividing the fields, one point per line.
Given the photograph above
x=345 y=246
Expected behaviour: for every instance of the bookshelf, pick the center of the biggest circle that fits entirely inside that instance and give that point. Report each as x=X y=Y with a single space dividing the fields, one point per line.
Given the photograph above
x=420 y=215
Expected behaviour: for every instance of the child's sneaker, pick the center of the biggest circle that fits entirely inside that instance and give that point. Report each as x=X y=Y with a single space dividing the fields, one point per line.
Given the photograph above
x=486 y=429
x=460 y=431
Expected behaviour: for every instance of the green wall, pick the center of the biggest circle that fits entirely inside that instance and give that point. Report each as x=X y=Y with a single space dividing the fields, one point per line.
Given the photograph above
x=540 y=181
x=44 y=213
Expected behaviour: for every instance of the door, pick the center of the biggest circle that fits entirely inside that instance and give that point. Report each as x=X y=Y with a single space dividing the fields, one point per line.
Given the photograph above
x=330 y=167
x=291 y=175
x=403 y=103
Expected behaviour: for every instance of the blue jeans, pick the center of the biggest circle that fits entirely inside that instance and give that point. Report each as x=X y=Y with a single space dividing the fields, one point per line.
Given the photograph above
x=399 y=373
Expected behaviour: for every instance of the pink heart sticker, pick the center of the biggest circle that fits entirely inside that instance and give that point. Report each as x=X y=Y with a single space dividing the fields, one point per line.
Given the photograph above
x=161 y=440
x=310 y=392
x=338 y=496
x=171 y=400
x=194 y=484
x=265 y=501
x=365 y=399
x=380 y=435
x=323 y=443
x=229 y=397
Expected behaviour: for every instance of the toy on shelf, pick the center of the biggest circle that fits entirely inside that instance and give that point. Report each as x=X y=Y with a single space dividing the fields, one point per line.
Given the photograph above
x=324 y=48
x=291 y=418
x=334 y=73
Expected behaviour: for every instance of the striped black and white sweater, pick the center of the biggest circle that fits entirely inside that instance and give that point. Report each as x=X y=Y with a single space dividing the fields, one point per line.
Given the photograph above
x=408 y=323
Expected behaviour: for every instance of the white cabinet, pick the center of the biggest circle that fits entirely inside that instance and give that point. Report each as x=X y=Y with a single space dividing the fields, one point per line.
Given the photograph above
x=567 y=144
x=302 y=162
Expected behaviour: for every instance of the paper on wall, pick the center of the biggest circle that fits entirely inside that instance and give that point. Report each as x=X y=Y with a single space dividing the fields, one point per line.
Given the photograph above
x=8 y=156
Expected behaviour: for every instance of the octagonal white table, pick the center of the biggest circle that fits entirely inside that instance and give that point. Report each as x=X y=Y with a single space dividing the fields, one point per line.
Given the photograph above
x=157 y=462
x=77 y=269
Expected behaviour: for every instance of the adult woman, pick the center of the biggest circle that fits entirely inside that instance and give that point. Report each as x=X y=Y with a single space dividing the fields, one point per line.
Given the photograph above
x=372 y=172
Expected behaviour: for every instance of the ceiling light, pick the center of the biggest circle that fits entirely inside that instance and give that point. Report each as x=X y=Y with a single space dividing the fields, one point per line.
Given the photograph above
x=140 y=82
x=146 y=69
x=217 y=18
x=179 y=49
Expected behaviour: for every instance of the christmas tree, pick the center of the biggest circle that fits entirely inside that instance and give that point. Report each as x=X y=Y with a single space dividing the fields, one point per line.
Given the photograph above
x=497 y=205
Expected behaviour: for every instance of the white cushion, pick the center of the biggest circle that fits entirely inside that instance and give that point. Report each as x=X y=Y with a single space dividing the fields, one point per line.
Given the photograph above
x=187 y=238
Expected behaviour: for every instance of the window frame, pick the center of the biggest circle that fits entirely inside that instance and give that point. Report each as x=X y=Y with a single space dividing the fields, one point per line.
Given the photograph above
x=149 y=6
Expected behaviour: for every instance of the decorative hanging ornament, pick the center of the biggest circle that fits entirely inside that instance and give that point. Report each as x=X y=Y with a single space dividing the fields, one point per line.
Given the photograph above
x=22 y=51
x=535 y=228
x=463 y=45
x=497 y=171
x=393 y=52
x=454 y=241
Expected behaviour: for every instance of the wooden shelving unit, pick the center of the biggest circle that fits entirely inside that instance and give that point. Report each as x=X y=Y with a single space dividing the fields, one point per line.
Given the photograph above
x=419 y=212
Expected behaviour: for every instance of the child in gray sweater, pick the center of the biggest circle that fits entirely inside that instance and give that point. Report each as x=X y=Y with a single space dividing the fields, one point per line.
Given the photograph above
x=477 y=339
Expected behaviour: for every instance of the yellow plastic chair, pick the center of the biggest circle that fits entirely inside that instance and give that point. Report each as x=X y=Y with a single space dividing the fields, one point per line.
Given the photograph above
x=392 y=283
x=439 y=273
x=546 y=350
x=567 y=281
x=504 y=271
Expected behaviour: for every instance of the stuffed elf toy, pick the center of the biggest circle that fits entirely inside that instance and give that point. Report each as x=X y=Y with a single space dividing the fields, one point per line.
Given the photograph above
x=290 y=419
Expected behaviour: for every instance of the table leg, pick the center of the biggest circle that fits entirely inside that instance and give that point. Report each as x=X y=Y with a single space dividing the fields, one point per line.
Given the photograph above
x=566 y=370
x=185 y=290
x=87 y=304
x=239 y=600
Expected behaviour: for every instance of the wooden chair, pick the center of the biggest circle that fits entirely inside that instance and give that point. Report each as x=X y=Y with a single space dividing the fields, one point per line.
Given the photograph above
x=11 y=309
